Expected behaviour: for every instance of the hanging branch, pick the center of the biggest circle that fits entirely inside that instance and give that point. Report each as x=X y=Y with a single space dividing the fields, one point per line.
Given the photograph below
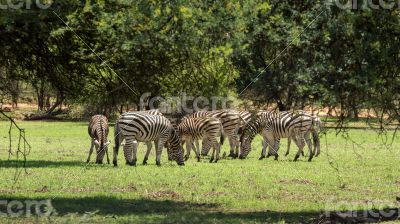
x=23 y=147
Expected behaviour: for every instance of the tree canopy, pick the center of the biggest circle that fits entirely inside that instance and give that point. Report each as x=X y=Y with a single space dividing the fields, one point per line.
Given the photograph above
x=295 y=54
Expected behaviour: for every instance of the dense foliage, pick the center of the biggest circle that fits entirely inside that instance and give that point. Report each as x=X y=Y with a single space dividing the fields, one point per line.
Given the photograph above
x=293 y=53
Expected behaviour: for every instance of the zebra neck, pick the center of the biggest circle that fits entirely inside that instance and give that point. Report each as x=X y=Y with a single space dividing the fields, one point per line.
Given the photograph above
x=254 y=129
x=174 y=138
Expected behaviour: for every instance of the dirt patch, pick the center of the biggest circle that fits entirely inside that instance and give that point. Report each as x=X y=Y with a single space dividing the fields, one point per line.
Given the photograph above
x=296 y=181
x=78 y=190
x=129 y=188
x=262 y=197
x=44 y=189
x=397 y=182
x=164 y=194
x=7 y=191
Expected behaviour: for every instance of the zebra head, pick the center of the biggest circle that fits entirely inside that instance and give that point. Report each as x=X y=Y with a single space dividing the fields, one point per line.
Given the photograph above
x=245 y=146
x=174 y=148
x=100 y=150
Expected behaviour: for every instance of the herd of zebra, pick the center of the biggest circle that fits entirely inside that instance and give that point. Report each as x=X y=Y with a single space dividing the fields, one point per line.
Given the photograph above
x=212 y=127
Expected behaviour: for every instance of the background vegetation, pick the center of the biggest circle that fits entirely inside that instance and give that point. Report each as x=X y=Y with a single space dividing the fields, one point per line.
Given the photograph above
x=104 y=54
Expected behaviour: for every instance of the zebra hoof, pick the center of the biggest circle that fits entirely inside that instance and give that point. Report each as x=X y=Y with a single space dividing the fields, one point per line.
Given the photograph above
x=231 y=154
x=296 y=158
x=198 y=159
x=286 y=154
x=276 y=157
x=158 y=163
x=235 y=156
x=261 y=158
x=216 y=161
x=115 y=164
x=144 y=162
x=211 y=160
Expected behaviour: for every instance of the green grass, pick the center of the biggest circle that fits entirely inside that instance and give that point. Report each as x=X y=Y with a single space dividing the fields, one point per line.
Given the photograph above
x=231 y=191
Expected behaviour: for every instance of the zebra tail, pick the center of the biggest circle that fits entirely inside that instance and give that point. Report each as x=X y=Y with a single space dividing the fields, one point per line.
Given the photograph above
x=222 y=136
x=316 y=142
x=318 y=127
x=102 y=136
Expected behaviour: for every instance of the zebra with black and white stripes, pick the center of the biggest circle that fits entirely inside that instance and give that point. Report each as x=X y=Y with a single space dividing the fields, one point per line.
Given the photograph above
x=149 y=143
x=192 y=129
x=230 y=120
x=143 y=127
x=313 y=132
x=98 y=132
x=274 y=126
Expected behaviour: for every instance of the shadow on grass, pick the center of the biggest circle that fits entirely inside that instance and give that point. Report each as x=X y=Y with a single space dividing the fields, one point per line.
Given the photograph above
x=155 y=211
x=39 y=163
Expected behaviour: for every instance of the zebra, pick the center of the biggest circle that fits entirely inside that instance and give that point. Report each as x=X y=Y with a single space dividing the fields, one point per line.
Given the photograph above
x=143 y=127
x=314 y=131
x=191 y=129
x=98 y=132
x=244 y=118
x=148 y=144
x=230 y=120
x=274 y=126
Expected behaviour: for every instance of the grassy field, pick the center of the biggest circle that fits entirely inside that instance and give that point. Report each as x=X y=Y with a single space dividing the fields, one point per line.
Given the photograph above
x=350 y=174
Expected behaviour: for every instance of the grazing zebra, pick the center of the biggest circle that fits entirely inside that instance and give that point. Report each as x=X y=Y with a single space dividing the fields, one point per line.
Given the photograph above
x=230 y=120
x=314 y=131
x=143 y=127
x=191 y=129
x=98 y=132
x=244 y=118
x=148 y=144
x=274 y=126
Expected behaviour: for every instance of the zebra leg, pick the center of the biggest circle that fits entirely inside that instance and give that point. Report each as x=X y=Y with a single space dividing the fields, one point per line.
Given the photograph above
x=300 y=145
x=232 y=147
x=134 y=152
x=309 y=145
x=237 y=145
x=108 y=158
x=217 y=151
x=205 y=147
x=288 y=146
x=264 y=148
x=159 y=148
x=146 y=157
x=90 y=151
x=197 y=150
x=316 y=142
x=188 y=149
x=213 y=152
x=275 y=149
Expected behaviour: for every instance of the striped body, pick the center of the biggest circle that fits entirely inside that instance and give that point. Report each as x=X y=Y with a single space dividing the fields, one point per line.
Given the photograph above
x=192 y=129
x=148 y=144
x=144 y=127
x=274 y=126
x=98 y=132
x=230 y=120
